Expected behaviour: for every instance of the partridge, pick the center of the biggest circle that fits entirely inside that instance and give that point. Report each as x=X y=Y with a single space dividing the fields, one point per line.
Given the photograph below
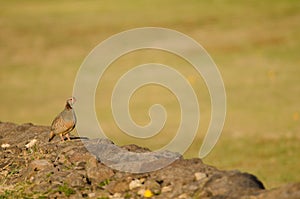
x=65 y=122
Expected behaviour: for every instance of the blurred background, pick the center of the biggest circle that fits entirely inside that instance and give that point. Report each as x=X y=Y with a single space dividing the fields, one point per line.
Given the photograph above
x=255 y=44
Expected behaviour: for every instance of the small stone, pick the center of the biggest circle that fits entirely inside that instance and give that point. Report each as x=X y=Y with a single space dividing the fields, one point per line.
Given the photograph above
x=142 y=180
x=59 y=177
x=91 y=195
x=75 y=180
x=77 y=157
x=135 y=184
x=42 y=187
x=62 y=159
x=80 y=165
x=31 y=179
x=200 y=176
x=97 y=172
x=166 y=189
x=117 y=196
x=38 y=165
x=192 y=187
x=153 y=186
x=117 y=187
x=31 y=143
x=183 y=196
x=4 y=146
x=141 y=192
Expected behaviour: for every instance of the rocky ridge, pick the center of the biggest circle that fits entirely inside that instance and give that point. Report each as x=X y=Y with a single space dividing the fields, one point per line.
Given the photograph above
x=31 y=167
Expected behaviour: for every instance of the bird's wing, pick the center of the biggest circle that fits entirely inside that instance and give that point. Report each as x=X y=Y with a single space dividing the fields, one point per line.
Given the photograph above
x=59 y=125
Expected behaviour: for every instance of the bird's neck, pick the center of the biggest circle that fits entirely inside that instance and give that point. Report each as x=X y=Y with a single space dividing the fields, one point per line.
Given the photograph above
x=68 y=106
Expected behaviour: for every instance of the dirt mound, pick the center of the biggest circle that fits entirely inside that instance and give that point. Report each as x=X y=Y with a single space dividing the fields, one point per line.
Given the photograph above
x=31 y=167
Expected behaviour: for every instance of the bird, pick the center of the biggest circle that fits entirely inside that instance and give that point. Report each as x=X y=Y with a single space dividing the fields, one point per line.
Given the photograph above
x=64 y=122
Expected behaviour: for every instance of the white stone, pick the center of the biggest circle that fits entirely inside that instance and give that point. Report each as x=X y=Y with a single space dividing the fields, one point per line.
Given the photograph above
x=166 y=189
x=31 y=143
x=5 y=145
x=200 y=176
x=135 y=184
x=117 y=196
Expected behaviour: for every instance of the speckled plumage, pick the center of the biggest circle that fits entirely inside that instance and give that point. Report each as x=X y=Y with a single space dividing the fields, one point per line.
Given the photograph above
x=65 y=122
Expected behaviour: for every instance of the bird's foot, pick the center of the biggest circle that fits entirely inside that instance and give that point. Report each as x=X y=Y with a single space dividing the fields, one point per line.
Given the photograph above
x=62 y=138
x=68 y=137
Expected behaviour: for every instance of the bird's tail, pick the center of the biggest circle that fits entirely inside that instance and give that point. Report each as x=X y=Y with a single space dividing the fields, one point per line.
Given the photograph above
x=52 y=135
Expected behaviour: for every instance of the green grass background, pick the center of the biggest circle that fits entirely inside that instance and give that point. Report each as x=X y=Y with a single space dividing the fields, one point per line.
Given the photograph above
x=255 y=44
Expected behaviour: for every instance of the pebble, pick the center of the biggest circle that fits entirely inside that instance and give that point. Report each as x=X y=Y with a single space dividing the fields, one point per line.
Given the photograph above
x=184 y=196
x=4 y=146
x=200 y=176
x=117 y=196
x=31 y=143
x=38 y=165
x=135 y=184
x=166 y=189
x=141 y=192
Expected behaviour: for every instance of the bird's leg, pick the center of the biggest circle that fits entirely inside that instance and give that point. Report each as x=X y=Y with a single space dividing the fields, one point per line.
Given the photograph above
x=68 y=136
x=61 y=137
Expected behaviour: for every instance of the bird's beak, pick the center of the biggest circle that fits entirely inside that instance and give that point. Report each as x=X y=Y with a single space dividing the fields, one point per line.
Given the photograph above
x=74 y=100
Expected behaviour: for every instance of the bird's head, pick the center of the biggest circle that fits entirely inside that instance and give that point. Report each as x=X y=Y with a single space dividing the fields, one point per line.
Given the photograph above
x=71 y=101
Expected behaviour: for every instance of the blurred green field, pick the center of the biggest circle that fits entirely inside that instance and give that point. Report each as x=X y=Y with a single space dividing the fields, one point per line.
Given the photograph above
x=255 y=44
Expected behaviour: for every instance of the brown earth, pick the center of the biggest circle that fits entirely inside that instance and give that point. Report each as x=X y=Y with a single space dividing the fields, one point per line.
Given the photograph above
x=31 y=167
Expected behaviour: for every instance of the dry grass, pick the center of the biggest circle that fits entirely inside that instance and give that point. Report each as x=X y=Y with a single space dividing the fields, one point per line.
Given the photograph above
x=255 y=45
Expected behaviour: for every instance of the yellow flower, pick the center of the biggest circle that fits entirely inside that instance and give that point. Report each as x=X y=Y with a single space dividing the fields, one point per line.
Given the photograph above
x=148 y=194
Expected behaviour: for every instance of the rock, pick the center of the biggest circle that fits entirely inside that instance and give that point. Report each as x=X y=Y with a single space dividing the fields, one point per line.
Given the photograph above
x=58 y=177
x=200 y=176
x=153 y=186
x=166 y=189
x=184 y=196
x=101 y=194
x=135 y=184
x=4 y=146
x=97 y=172
x=62 y=160
x=78 y=154
x=41 y=188
x=289 y=191
x=233 y=183
x=98 y=141
x=135 y=148
x=75 y=180
x=119 y=158
x=117 y=187
x=117 y=196
x=39 y=165
x=141 y=192
x=80 y=165
x=92 y=163
x=31 y=143
x=69 y=170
